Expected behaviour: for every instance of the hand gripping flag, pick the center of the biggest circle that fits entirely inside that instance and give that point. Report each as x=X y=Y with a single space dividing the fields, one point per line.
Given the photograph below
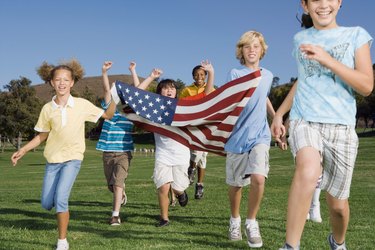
x=204 y=124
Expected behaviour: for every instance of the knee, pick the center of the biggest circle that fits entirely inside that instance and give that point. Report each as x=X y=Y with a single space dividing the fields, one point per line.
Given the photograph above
x=339 y=210
x=257 y=180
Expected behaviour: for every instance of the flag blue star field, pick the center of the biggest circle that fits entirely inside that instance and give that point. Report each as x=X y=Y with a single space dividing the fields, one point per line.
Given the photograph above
x=204 y=124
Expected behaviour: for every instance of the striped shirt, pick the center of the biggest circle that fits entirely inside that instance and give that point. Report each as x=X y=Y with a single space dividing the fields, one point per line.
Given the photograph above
x=116 y=135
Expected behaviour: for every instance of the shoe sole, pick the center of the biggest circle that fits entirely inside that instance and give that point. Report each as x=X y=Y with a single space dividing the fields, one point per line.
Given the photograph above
x=115 y=224
x=257 y=245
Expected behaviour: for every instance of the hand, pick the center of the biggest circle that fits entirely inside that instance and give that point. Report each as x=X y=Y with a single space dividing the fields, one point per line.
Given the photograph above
x=315 y=52
x=207 y=66
x=16 y=156
x=283 y=145
x=278 y=129
x=132 y=66
x=156 y=73
x=106 y=66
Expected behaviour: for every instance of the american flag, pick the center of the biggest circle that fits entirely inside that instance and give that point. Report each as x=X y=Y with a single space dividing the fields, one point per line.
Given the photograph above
x=204 y=124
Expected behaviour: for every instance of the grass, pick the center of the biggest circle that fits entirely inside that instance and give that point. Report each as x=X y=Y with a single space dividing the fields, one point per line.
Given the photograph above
x=202 y=224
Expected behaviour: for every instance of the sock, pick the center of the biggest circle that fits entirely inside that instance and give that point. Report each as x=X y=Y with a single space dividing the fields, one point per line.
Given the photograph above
x=115 y=213
x=250 y=221
x=62 y=242
x=316 y=196
x=235 y=220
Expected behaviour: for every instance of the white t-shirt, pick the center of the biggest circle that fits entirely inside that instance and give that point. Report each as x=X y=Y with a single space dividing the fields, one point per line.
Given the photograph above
x=171 y=152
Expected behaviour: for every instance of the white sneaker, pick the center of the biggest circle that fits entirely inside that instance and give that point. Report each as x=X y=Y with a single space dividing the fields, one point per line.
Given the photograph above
x=62 y=246
x=314 y=213
x=234 y=232
x=253 y=235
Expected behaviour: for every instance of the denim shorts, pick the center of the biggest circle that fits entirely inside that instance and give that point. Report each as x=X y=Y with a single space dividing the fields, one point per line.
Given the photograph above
x=57 y=184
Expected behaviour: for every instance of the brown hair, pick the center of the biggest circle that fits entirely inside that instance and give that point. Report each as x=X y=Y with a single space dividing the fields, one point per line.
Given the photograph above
x=47 y=71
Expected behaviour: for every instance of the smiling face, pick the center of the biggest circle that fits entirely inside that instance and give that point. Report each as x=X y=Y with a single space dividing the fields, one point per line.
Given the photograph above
x=199 y=77
x=62 y=82
x=322 y=12
x=252 y=52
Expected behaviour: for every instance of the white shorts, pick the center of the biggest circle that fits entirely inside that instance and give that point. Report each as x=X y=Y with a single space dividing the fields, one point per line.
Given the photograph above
x=174 y=174
x=239 y=167
x=338 y=146
x=199 y=158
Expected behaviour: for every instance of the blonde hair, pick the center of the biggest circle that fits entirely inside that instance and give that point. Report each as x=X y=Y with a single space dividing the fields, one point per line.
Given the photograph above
x=248 y=38
x=47 y=71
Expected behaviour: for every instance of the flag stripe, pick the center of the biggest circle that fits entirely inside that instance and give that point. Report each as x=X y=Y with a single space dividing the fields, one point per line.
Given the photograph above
x=204 y=124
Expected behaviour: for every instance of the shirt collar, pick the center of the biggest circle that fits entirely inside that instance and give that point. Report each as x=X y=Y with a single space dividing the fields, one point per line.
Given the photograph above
x=70 y=102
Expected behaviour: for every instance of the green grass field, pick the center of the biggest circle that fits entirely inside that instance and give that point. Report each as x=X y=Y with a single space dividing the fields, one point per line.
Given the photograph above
x=202 y=224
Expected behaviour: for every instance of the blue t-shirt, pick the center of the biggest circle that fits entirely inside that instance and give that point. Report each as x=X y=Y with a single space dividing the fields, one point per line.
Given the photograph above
x=252 y=126
x=321 y=95
x=116 y=134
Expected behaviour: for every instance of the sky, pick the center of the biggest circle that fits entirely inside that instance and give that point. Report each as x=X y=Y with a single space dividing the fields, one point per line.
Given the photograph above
x=168 y=34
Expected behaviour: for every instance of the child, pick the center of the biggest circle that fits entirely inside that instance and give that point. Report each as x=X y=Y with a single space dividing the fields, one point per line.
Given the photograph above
x=116 y=142
x=62 y=122
x=247 y=147
x=333 y=62
x=171 y=157
x=198 y=159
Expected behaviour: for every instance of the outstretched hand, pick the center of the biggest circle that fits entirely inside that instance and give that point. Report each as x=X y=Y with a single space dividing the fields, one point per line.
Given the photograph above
x=106 y=66
x=207 y=66
x=132 y=66
x=156 y=73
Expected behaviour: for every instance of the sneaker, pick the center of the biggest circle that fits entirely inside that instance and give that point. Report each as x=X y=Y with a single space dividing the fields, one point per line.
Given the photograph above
x=162 y=223
x=182 y=199
x=191 y=174
x=198 y=191
x=314 y=213
x=334 y=245
x=288 y=247
x=124 y=199
x=253 y=235
x=62 y=246
x=115 y=221
x=234 y=232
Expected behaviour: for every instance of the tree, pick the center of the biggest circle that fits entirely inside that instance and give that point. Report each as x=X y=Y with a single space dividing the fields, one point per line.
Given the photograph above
x=19 y=109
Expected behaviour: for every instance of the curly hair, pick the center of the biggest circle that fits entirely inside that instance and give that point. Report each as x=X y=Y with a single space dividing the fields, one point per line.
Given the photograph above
x=47 y=71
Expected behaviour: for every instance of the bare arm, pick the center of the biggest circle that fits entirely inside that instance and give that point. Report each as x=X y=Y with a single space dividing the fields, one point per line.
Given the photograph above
x=133 y=72
x=110 y=111
x=155 y=73
x=277 y=128
x=35 y=142
x=361 y=78
x=107 y=90
x=207 y=66
x=270 y=109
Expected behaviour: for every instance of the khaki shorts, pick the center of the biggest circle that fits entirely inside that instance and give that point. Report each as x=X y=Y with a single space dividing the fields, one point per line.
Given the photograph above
x=174 y=174
x=199 y=158
x=116 y=167
x=338 y=146
x=239 y=167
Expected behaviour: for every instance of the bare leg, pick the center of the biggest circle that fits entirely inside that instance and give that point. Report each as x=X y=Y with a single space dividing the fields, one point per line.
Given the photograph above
x=164 y=200
x=117 y=197
x=301 y=191
x=255 y=195
x=339 y=217
x=62 y=224
x=234 y=194
x=201 y=174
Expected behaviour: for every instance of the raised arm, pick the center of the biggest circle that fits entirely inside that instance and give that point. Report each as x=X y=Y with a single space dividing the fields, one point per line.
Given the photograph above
x=155 y=73
x=106 y=87
x=133 y=72
x=35 y=142
x=207 y=66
